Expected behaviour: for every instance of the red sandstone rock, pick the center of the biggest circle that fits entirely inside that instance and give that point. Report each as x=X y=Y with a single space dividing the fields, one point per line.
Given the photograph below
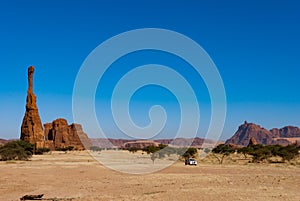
x=59 y=134
x=249 y=130
x=286 y=132
x=252 y=142
x=32 y=129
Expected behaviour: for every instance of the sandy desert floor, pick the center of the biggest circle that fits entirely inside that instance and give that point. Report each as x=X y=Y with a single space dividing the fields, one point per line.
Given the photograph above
x=77 y=176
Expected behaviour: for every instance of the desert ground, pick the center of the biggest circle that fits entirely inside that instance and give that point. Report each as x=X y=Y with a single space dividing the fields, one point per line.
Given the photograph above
x=78 y=176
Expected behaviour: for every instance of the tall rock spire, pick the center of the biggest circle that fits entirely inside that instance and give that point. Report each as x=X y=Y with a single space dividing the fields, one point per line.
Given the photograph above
x=32 y=129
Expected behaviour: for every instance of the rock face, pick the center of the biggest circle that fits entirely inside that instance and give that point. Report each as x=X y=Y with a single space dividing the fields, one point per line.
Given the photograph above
x=286 y=132
x=250 y=133
x=32 y=129
x=252 y=142
x=59 y=134
x=248 y=130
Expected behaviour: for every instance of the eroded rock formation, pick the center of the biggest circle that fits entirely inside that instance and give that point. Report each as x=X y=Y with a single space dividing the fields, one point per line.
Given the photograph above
x=252 y=142
x=32 y=129
x=249 y=132
x=59 y=134
x=286 y=132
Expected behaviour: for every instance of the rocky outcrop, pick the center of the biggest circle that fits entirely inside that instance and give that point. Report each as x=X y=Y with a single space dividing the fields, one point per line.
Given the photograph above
x=286 y=132
x=252 y=142
x=59 y=134
x=32 y=129
x=248 y=132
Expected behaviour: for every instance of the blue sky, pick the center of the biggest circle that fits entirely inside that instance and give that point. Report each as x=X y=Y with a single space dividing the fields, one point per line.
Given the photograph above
x=254 y=44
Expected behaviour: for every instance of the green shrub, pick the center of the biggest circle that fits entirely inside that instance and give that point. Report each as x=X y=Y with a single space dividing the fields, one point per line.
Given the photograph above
x=190 y=152
x=16 y=150
x=95 y=148
x=288 y=152
x=133 y=149
x=69 y=148
x=244 y=150
x=261 y=153
x=40 y=151
x=151 y=149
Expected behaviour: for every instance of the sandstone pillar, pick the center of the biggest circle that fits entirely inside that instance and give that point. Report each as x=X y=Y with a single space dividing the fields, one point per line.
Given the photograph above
x=32 y=129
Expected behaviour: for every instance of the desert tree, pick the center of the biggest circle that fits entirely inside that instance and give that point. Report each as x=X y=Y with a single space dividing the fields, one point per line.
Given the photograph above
x=288 y=153
x=95 y=148
x=245 y=151
x=222 y=151
x=190 y=152
x=154 y=156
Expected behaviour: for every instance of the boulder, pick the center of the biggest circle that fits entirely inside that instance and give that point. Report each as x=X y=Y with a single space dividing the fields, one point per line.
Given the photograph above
x=252 y=142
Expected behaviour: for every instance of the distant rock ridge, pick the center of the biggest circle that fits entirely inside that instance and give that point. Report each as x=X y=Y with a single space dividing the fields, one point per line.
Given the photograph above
x=126 y=143
x=3 y=141
x=57 y=135
x=140 y=144
x=286 y=132
x=250 y=131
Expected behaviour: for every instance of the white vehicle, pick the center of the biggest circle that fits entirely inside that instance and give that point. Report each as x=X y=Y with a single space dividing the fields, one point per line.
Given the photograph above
x=190 y=161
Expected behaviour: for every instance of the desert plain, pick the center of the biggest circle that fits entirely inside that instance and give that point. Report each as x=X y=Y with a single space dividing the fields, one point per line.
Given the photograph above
x=78 y=176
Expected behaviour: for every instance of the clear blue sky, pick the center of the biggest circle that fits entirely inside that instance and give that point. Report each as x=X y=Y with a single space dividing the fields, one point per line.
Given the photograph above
x=254 y=44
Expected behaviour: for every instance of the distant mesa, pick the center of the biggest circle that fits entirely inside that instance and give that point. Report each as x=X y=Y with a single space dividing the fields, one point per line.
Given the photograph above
x=125 y=143
x=56 y=135
x=255 y=134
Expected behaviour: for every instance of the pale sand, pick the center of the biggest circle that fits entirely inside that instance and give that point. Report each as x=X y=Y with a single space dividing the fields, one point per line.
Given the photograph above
x=77 y=175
